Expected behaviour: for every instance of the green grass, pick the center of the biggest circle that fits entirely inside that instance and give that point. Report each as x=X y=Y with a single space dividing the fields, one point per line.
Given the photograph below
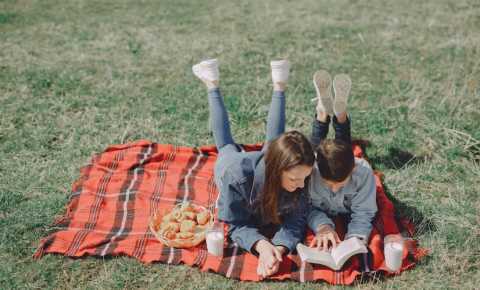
x=76 y=76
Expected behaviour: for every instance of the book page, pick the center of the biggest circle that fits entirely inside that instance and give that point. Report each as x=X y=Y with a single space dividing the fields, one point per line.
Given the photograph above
x=346 y=249
x=312 y=255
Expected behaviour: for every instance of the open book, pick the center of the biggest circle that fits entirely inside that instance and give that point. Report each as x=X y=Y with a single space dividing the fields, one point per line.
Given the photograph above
x=336 y=257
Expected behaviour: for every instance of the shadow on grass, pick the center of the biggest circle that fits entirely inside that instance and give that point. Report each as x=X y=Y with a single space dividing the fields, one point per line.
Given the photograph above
x=422 y=224
x=396 y=159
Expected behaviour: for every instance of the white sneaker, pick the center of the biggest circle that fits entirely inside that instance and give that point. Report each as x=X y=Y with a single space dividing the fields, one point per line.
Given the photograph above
x=323 y=83
x=207 y=70
x=341 y=86
x=280 y=70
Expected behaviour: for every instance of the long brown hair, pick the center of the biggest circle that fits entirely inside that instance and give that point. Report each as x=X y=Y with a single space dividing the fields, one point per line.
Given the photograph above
x=285 y=152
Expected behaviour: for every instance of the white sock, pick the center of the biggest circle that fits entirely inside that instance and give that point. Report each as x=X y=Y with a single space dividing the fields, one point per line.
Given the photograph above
x=323 y=83
x=280 y=70
x=341 y=86
x=207 y=70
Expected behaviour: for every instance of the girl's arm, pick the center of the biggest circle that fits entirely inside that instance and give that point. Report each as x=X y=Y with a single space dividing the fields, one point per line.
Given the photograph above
x=233 y=209
x=292 y=230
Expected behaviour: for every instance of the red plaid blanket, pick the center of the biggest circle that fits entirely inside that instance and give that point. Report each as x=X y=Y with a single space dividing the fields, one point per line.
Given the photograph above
x=115 y=195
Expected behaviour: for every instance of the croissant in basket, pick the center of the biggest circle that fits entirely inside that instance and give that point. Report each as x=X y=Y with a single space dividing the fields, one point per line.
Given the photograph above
x=188 y=215
x=187 y=226
x=177 y=215
x=173 y=226
x=203 y=217
x=183 y=227
x=185 y=235
x=168 y=218
x=169 y=234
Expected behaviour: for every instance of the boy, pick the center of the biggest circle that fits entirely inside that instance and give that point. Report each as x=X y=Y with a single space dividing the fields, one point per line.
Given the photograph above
x=340 y=183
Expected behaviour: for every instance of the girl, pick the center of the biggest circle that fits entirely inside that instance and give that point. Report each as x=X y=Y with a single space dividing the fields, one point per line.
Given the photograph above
x=262 y=189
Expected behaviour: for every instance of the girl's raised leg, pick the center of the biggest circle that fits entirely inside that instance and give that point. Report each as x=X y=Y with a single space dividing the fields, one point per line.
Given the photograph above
x=276 y=116
x=276 y=112
x=220 y=123
x=207 y=72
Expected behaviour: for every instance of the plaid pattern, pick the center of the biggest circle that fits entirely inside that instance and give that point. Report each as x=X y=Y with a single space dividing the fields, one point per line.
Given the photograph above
x=122 y=187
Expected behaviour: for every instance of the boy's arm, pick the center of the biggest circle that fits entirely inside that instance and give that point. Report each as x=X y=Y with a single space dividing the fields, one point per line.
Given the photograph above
x=363 y=208
x=317 y=217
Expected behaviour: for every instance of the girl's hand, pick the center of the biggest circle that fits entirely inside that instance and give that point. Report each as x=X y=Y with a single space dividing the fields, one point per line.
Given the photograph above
x=325 y=234
x=269 y=258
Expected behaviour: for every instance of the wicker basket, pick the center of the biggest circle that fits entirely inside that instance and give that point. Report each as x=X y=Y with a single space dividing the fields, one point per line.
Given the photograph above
x=199 y=234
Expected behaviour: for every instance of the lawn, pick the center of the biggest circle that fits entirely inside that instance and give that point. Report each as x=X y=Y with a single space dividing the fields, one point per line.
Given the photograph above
x=76 y=76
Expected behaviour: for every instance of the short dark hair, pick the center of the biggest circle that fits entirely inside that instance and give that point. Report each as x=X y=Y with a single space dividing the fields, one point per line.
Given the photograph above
x=335 y=159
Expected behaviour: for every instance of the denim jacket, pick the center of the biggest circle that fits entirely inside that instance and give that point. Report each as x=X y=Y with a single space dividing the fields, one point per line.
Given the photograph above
x=240 y=179
x=357 y=198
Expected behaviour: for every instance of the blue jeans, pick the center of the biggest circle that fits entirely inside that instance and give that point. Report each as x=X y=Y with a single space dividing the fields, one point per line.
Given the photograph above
x=221 y=126
x=320 y=130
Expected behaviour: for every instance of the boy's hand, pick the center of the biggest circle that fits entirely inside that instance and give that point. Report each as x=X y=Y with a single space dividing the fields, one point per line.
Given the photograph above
x=325 y=234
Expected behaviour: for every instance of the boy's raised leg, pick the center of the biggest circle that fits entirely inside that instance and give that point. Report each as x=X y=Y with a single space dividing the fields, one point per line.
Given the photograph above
x=341 y=123
x=341 y=86
x=322 y=82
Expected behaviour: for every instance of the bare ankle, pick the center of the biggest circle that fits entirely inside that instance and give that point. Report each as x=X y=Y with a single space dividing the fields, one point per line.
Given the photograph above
x=322 y=116
x=279 y=87
x=211 y=84
x=342 y=117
